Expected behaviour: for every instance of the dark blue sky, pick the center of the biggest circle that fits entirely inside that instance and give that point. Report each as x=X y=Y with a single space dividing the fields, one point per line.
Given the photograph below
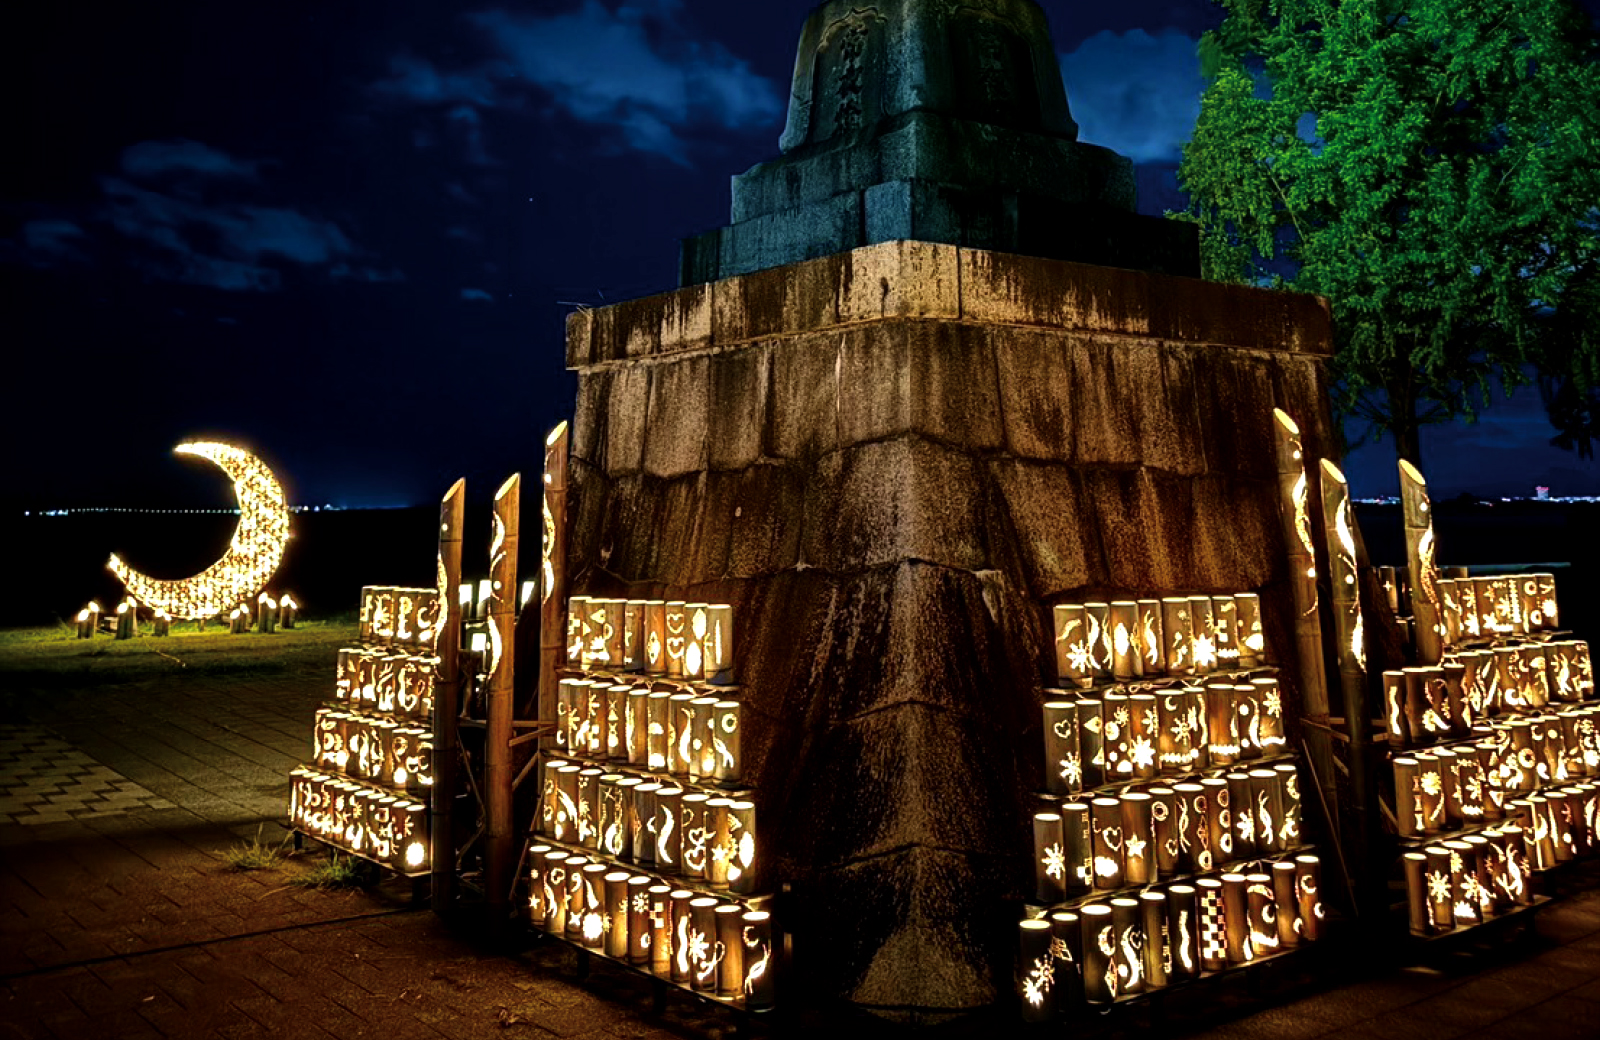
x=349 y=233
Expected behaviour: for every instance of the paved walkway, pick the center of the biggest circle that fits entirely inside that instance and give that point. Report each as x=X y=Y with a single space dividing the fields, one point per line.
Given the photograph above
x=119 y=917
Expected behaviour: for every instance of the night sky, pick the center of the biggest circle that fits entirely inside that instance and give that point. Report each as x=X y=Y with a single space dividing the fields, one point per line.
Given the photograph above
x=348 y=233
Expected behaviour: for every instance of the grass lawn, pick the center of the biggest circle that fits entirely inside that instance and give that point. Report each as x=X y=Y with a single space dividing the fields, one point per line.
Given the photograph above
x=51 y=658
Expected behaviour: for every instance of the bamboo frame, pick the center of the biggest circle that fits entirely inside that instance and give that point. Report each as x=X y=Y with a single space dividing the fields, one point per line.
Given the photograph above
x=501 y=667
x=1294 y=487
x=446 y=700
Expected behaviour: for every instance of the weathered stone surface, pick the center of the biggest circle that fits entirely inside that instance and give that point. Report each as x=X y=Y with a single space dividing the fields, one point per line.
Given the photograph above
x=738 y=407
x=679 y=415
x=803 y=412
x=933 y=379
x=1049 y=525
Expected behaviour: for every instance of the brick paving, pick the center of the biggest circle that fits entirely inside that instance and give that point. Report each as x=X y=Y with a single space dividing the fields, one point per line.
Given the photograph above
x=122 y=918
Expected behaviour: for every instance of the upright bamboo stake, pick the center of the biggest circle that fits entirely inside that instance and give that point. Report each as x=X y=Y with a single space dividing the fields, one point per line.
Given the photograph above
x=499 y=672
x=553 y=572
x=446 y=699
x=1344 y=582
x=1420 y=550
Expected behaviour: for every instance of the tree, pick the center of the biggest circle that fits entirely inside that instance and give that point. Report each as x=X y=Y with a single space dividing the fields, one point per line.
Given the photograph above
x=1432 y=167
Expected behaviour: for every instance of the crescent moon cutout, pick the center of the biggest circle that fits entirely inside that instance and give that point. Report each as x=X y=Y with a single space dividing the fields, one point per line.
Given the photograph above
x=252 y=557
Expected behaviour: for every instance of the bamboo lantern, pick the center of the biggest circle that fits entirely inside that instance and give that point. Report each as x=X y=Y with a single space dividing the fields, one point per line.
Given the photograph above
x=1420 y=562
x=1518 y=885
x=682 y=932
x=1225 y=626
x=668 y=838
x=697 y=622
x=578 y=716
x=1177 y=629
x=1308 y=886
x=705 y=952
x=1476 y=884
x=1165 y=838
x=1289 y=789
x=1508 y=606
x=1236 y=919
x=702 y=755
x=633 y=636
x=1074 y=661
x=1295 y=512
x=1519 y=761
x=1396 y=726
x=1144 y=734
x=636 y=724
x=1137 y=834
x=1194 y=834
x=718 y=844
x=727 y=723
x=1128 y=958
x=1449 y=614
x=1066 y=945
x=759 y=993
x=1449 y=776
x=1267 y=798
x=1219 y=821
x=1247 y=626
x=1410 y=815
x=1547 y=600
x=1127 y=660
x=1470 y=786
x=592 y=898
x=1173 y=742
x=680 y=733
x=1262 y=911
x=635 y=928
x=1049 y=858
x=1285 y=908
x=718 y=645
x=1468 y=619
x=1495 y=869
x=1183 y=932
x=616 y=633
x=1269 y=709
x=1477 y=668
x=1241 y=797
x=628 y=823
x=741 y=847
x=656 y=747
x=1418 y=899
x=730 y=943
x=1464 y=903
x=556 y=885
x=1536 y=679
x=1038 y=971
x=678 y=637
x=1203 y=639
x=615 y=931
x=1247 y=720
x=1529 y=608
x=1493 y=796
x=1077 y=835
x=610 y=817
x=1559 y=672
x=654 y=629
x=1427 y=704
x=589 y=807
x=1116 y=736
x=1097 y=616
x=564 y=826
x=659 y=953
x=643 y=821
x=1100 y=982
x=696 y=829
x=1221 y=726
x=1507 y=665
x=1063 y=769
x=1157 y=944
x=1461 y=716
x=1151 y=644
x=1557 y=811
x=1091 y=743
x=577 y=610
x=613 y=719
x=1343 y=582
x=1105 y=819
x=1213 y=925
x=1441 y=894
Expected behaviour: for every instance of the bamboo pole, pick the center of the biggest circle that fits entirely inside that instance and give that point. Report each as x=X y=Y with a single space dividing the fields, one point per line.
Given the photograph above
x=1344 y=583
x=446 y=699
x=1293 y=483
x=1420 y=561
x=500 y=670
x=553 y=573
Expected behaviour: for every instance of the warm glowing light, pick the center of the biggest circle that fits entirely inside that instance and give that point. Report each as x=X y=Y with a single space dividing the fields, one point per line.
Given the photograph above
x=252 y=557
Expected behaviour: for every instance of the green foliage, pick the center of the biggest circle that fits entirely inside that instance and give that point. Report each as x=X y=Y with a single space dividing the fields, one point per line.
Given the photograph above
x=336 y=872
x=256 y=854
x=1432 y=167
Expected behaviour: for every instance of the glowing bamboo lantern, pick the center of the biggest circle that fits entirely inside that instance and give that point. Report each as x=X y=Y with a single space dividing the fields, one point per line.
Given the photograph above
x=1100 y=982
x=1074 y=661
x=1470 y=786
x=697 y=828
x=1262 y=915
x=1173 y=742
x=1285 y=907
x=1410 y=816
x=1183 y=932
x=574 y=693
x=1105 y=817
x=717 y=645
x=683 y=935
x=740 y=846
x=161 y=622
x=536 y=864
x=628 y=825
x=702 y=755
x=680 y=733
x=1213 y=925
x=1128 y=958
x=1478 y=670
x=1519 y=761
x=89 y=618
x=1247 y=721
x=668 y=838
x=1191 y=808
x=1418 y=899
x=1488 y=768
x=1269 y=710
x=1547 y=600
x=1266 y=796
x=613 y=720
x=1295 y=513
x=1507 y=664
x=1157 y=945
x=589 y=807
x=1221 y=734
x=1562 y=676
x=1152 y=647
x=660 y=955
x=1136 y=837
x=633 y=635
x=616 y=910
x=705 y=953
x=1427 y=704
x=1116 y=736
x=718 y=843
x=1091 y=743
x=728 y=720
x=610 y=816
x=1241 y=800
x=756 y=939
x=642 y=819
x=636 y=726
x=1127 y=660
x=1477 y=879
x=1536 y=681
x=1097 y=616
x=730 y=943
x=677 y=638
x=1049 y=858
x=1449 y=613
x=1441 y=891
x=1144 y=733
x=1077 y=848
x=1464 y=907
x=1308 y=887
x=1420 y=562
x=636 y=903
x=1203 y=635
x=573 y=929
x=1449 y=776
x=554 y=887
x=1507 y=606
x=655 y=637
x=656 y=748
x=1236 y=919
x=1433 y=782
x=1038 y=971
x=1219 y=821
x=1351 y=639
x=1165 y=837
x=564 y=826
x=615 y=634
x=1225 y=632
x=1556 y=811
x=1528 y=604
x=1063 y=769
x=238 y=620
x=696 y=624
x=1468 y=618
x=1178 y=631
x=596 y=913
x=1066 y=945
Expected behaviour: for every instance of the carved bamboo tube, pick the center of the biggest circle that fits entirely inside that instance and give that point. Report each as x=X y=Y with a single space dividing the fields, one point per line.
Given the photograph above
x=1420 y=549
x=446 y=698
x=1296 y=515
x=552 y=570
x=500 y=845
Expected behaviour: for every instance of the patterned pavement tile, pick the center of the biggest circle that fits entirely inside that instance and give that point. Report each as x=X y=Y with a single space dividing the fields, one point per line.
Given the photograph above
x=43 y=779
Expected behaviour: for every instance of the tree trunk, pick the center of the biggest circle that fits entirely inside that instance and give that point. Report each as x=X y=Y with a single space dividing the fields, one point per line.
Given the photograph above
x=1403 y=424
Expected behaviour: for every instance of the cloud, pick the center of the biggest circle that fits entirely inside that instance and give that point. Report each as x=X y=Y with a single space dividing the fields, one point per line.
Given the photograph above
x=1135 y=93
x=476 y=295
x=156 y=159
x=54 y=237
x=636 y=69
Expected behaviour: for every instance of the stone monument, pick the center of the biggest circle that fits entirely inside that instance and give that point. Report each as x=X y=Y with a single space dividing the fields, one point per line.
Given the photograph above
x=892 y=446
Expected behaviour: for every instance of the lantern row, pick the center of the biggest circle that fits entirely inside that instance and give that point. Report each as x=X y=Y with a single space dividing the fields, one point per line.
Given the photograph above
x=1450 y=788
x=715 y=947
x=373 y=680
x=373 y=750
x=701 y=836
x=1148 y=638
x=400 y=617
x=1107 y=951
x=389 y=829
x=1159 y=833
x=688 y=733
x=1475 y=609
x=123 y=623
x=692 y=642
x=1435 y=703
x=1470 y=880
x=1147 y=732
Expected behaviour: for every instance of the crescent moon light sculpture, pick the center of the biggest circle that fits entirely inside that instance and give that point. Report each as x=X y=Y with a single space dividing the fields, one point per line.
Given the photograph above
x=252 y=557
